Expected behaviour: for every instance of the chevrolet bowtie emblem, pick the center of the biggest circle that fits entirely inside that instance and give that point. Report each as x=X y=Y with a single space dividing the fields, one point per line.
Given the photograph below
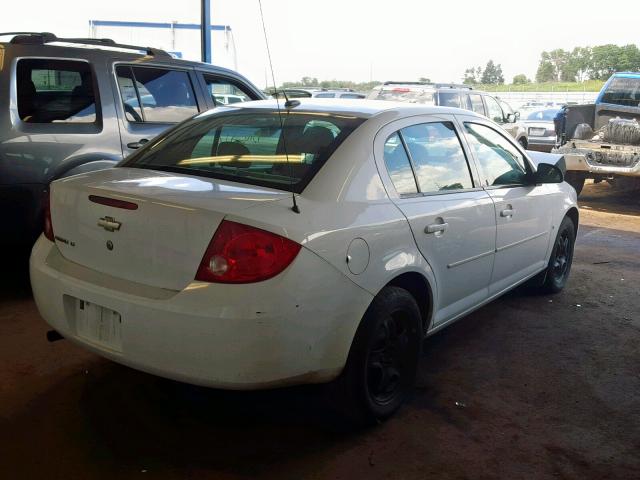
x=109 y=224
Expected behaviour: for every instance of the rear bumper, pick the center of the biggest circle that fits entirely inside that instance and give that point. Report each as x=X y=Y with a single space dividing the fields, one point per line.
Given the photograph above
x=541 y=144
x=292 y=329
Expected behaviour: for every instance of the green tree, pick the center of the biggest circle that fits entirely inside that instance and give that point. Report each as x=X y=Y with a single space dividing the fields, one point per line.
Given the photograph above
x=607 y=59
x=546 y=71
x=492 y=74
x=472 y=76
x=424 y=80
x=521 y=79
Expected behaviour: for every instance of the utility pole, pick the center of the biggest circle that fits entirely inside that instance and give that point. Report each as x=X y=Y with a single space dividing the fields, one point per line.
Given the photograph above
x=206 y=30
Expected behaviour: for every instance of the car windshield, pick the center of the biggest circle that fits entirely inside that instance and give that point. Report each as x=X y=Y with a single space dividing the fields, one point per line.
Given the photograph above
x=542 y=115
x=249 y=146
x=623 y=91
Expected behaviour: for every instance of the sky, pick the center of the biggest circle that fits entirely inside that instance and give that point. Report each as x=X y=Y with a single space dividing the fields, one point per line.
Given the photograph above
x=360 y=40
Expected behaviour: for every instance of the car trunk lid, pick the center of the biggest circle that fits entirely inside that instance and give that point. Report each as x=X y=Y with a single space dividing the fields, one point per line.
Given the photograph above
x=142 y=225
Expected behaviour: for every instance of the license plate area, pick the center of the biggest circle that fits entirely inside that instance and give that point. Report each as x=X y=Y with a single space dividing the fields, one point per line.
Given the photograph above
x=97 y=324
x=537 y=132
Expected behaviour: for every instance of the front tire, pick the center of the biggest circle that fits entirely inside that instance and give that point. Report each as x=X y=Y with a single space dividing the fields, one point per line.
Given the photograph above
x=383 y=360
x=576 y=180
x=559 y=267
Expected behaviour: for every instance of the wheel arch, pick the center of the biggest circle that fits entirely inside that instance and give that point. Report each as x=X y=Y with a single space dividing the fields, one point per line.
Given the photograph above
x=573 y=214
x=420 y=289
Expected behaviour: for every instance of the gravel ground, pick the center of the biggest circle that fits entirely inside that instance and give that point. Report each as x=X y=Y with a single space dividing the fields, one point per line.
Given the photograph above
x=527 y=387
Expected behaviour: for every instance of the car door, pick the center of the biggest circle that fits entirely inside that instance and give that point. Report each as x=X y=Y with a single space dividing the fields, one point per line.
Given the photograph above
x=498 y=115
x=152 y=99
x=452 y=219
x=521 y=207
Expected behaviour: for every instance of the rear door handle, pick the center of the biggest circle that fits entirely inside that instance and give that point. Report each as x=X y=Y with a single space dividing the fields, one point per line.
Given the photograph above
x=436 y=228
x=138 y=144
x=507 y=212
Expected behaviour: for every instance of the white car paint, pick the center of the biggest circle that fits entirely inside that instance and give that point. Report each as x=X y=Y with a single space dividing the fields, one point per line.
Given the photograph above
x=357 y=235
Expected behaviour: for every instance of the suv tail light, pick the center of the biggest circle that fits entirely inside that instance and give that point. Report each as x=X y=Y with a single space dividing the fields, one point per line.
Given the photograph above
x=48 y=226
x=239 y=253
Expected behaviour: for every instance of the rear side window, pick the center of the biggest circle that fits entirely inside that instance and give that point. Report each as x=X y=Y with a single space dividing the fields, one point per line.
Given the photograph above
x=494 y=110
x=623 y=91
x=398 y=166
x=449 y=99
x=56 y=91
x=474 y=103
x=156 y=94
x=325 y=95
x=250 y=147
x=437 y=156
x=225 y=92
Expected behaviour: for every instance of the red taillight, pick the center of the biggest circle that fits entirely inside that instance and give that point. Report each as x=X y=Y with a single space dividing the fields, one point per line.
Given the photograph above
x=401 y=90
x=48 y=226
x=242 y=254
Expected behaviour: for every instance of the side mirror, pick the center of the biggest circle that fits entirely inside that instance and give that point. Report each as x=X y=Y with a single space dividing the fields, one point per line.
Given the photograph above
x=513 y=117
x=547 y=173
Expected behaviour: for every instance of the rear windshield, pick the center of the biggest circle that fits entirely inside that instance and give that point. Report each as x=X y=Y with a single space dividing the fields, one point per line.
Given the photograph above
x=543 y=115
x=623 y=91
x=250 y=147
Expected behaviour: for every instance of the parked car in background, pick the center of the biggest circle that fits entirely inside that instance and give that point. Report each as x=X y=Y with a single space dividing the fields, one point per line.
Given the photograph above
x=454 y=95
x=70 y=106
x=540 y=128
x=223 y=254
x=317 y=93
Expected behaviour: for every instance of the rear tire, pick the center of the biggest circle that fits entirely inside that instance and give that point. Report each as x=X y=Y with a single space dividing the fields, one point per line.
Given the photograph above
x=576 y=180
x=383 y=360
x=557 y=273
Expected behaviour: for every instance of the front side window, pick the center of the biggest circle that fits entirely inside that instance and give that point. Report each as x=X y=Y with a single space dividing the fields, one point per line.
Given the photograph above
x=494 y=112
x=325 y=95
x=225 y=92
x=623 y=91
x=437 y=157
x=500 y=162
x=156 y=94
x=56 y=91
x=449 y=99
x=474 y=103
x=250 y=147
x=398 y=166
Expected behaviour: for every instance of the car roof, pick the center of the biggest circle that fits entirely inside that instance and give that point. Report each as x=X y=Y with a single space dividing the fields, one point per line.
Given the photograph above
x=358 y=108
x=79 y=50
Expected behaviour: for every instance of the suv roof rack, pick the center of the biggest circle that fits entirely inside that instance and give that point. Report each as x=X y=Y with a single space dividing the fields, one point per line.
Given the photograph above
x=41 y=38
x=431 y=84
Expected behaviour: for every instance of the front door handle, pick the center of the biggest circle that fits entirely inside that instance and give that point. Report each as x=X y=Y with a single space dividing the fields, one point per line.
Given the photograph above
x=138 y=144
x=507 y=212
x=436 y=228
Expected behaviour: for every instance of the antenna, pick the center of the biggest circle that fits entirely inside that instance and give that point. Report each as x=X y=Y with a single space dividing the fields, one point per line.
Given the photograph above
x=275 y=90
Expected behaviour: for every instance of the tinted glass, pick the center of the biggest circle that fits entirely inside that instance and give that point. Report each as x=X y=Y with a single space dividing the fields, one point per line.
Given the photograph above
x=543 y=115
x=55 y=91
x=398 y=166
x=351 y=95
x=325 y=95
x=474 y=103
x=224 y=92
x=249 y=147
x=438 y=157
x=500 y=162
x=449 y=99
x=494 y=112
x=623 y=91
x=166 y=95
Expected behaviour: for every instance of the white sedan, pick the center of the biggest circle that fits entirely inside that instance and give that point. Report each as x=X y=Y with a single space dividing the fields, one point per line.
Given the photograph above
x=190 y=259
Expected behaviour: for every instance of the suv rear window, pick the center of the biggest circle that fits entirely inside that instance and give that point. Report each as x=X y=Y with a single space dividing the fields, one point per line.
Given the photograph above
x=249 y=147
x=411 y=94
x=623 y=91
x=56 y=91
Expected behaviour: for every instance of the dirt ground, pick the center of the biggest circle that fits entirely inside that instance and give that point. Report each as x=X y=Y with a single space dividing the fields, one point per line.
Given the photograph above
x=528 y=387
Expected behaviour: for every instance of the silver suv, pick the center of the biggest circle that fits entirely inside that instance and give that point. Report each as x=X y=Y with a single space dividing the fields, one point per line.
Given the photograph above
x=69 y=106
x=455 y=95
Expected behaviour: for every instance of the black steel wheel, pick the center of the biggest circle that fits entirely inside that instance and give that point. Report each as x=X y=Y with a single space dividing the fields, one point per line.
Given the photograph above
x=559 y=267
x=383 y=360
